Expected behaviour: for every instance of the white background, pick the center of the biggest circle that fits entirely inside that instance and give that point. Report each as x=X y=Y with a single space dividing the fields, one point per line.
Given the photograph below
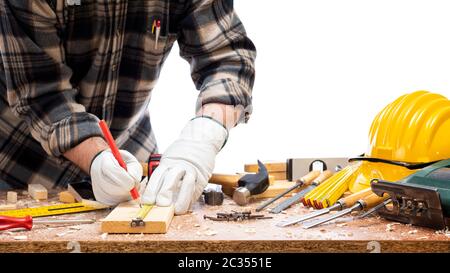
x=324 y=69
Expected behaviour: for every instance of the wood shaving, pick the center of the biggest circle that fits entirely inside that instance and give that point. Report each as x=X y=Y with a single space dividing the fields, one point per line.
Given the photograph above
x=341 y=225
x=412 y=231
x=323 y=230
x=284 y=212
x=196 y=225
x=75 y=228
x=210 y=232
x=61 y=234
x=250 y=230
x=389 y=227
x=422 y=238
x=199 y=233
x=104 y=235
x=21 y=237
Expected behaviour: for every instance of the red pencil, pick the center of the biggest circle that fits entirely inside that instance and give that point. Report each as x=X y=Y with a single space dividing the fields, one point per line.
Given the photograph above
x=115 y=151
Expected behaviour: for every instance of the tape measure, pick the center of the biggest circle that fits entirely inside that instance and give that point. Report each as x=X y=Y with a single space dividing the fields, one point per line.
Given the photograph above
x=50 y=210
x=138 y=221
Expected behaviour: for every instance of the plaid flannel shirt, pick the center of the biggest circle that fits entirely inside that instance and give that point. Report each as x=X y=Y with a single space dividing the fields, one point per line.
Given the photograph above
x=63 y=67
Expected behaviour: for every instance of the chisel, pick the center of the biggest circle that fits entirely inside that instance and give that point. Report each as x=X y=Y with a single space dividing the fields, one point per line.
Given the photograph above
x=305 y=180
x=340 y=205
x=366 y=202
x=376 y=208
x=297 y=197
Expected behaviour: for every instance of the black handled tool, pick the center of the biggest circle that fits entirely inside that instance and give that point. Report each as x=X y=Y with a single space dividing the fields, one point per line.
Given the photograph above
x=251 y=184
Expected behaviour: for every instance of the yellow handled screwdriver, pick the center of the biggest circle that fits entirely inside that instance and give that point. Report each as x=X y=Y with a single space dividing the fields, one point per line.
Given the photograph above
x=368 y=201
x=340 y=205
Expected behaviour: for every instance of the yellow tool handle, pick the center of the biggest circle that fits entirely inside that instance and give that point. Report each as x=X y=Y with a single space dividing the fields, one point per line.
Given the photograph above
x=352 y=199
x=372 y=200
x=309 y=178
x=322 y=177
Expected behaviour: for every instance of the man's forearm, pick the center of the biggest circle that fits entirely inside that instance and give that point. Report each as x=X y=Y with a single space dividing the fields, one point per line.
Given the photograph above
x=83 y=154
x=228 y=115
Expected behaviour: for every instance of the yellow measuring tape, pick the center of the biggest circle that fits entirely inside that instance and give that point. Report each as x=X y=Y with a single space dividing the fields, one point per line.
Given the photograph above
x=50 y=210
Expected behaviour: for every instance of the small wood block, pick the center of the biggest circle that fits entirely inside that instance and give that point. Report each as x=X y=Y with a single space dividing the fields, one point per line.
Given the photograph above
x=275 y=189
x=8 y=207
x=118 y=221
x=270 y=166
x=66 y=197
x=11 y=197
x=279 y=175
x=37 y=191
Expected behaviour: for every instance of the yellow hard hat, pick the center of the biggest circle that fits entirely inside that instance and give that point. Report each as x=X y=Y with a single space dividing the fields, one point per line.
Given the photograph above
x=406 y=135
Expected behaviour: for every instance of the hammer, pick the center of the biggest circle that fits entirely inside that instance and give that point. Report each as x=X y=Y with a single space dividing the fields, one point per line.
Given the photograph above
x=251 y=184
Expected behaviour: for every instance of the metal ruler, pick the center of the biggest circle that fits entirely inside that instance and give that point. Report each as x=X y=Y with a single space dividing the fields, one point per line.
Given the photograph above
x=50 y=210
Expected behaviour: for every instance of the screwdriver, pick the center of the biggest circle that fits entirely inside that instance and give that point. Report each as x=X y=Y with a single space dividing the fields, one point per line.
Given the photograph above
x=297 y=197
x=305 y=180
x=115 y=151
x=340 y=205
x=8 y=222
x=368 y=201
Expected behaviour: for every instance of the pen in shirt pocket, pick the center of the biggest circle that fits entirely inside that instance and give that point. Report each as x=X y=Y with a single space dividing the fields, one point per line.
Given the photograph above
x=156 y=29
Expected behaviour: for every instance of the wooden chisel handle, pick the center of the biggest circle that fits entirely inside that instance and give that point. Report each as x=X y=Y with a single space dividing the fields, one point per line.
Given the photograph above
x=309 y=178
x=372 y=200
x=355 y=197
x=322 y=177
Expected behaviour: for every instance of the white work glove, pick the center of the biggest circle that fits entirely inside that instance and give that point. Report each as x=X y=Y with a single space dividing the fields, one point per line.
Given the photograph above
x=186 y=166
x=110 y=182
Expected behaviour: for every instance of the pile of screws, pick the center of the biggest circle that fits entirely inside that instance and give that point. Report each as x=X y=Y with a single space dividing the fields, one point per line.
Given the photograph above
x=236 y=216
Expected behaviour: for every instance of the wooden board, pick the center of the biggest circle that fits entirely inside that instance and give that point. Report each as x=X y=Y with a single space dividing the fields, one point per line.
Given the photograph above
x=275 y=189
x=278 y=175
x=193 y=234
x=118 y=221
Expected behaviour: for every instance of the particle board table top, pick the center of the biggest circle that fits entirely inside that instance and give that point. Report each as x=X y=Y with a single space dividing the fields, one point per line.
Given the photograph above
x=192 y=233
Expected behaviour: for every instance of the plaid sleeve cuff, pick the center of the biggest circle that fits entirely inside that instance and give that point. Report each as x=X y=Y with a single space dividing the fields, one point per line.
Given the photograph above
x=69 y=132
x=228 y=92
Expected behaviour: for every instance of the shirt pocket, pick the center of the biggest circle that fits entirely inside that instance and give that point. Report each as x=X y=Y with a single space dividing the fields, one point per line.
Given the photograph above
x=158 y=43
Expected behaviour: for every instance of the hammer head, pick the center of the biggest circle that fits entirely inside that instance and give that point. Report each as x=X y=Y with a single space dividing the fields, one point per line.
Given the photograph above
x=251 y=184
x=241 y=196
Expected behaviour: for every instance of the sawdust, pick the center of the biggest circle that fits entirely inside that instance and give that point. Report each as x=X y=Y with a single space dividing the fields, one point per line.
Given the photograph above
x=250 y=230
x=210 y=232
x=20 y=238
x=389 y=227
x=75 y=228
x=412 y=231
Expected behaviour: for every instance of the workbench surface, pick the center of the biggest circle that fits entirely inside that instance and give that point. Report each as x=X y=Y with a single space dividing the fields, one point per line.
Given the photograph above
x=191 y=233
